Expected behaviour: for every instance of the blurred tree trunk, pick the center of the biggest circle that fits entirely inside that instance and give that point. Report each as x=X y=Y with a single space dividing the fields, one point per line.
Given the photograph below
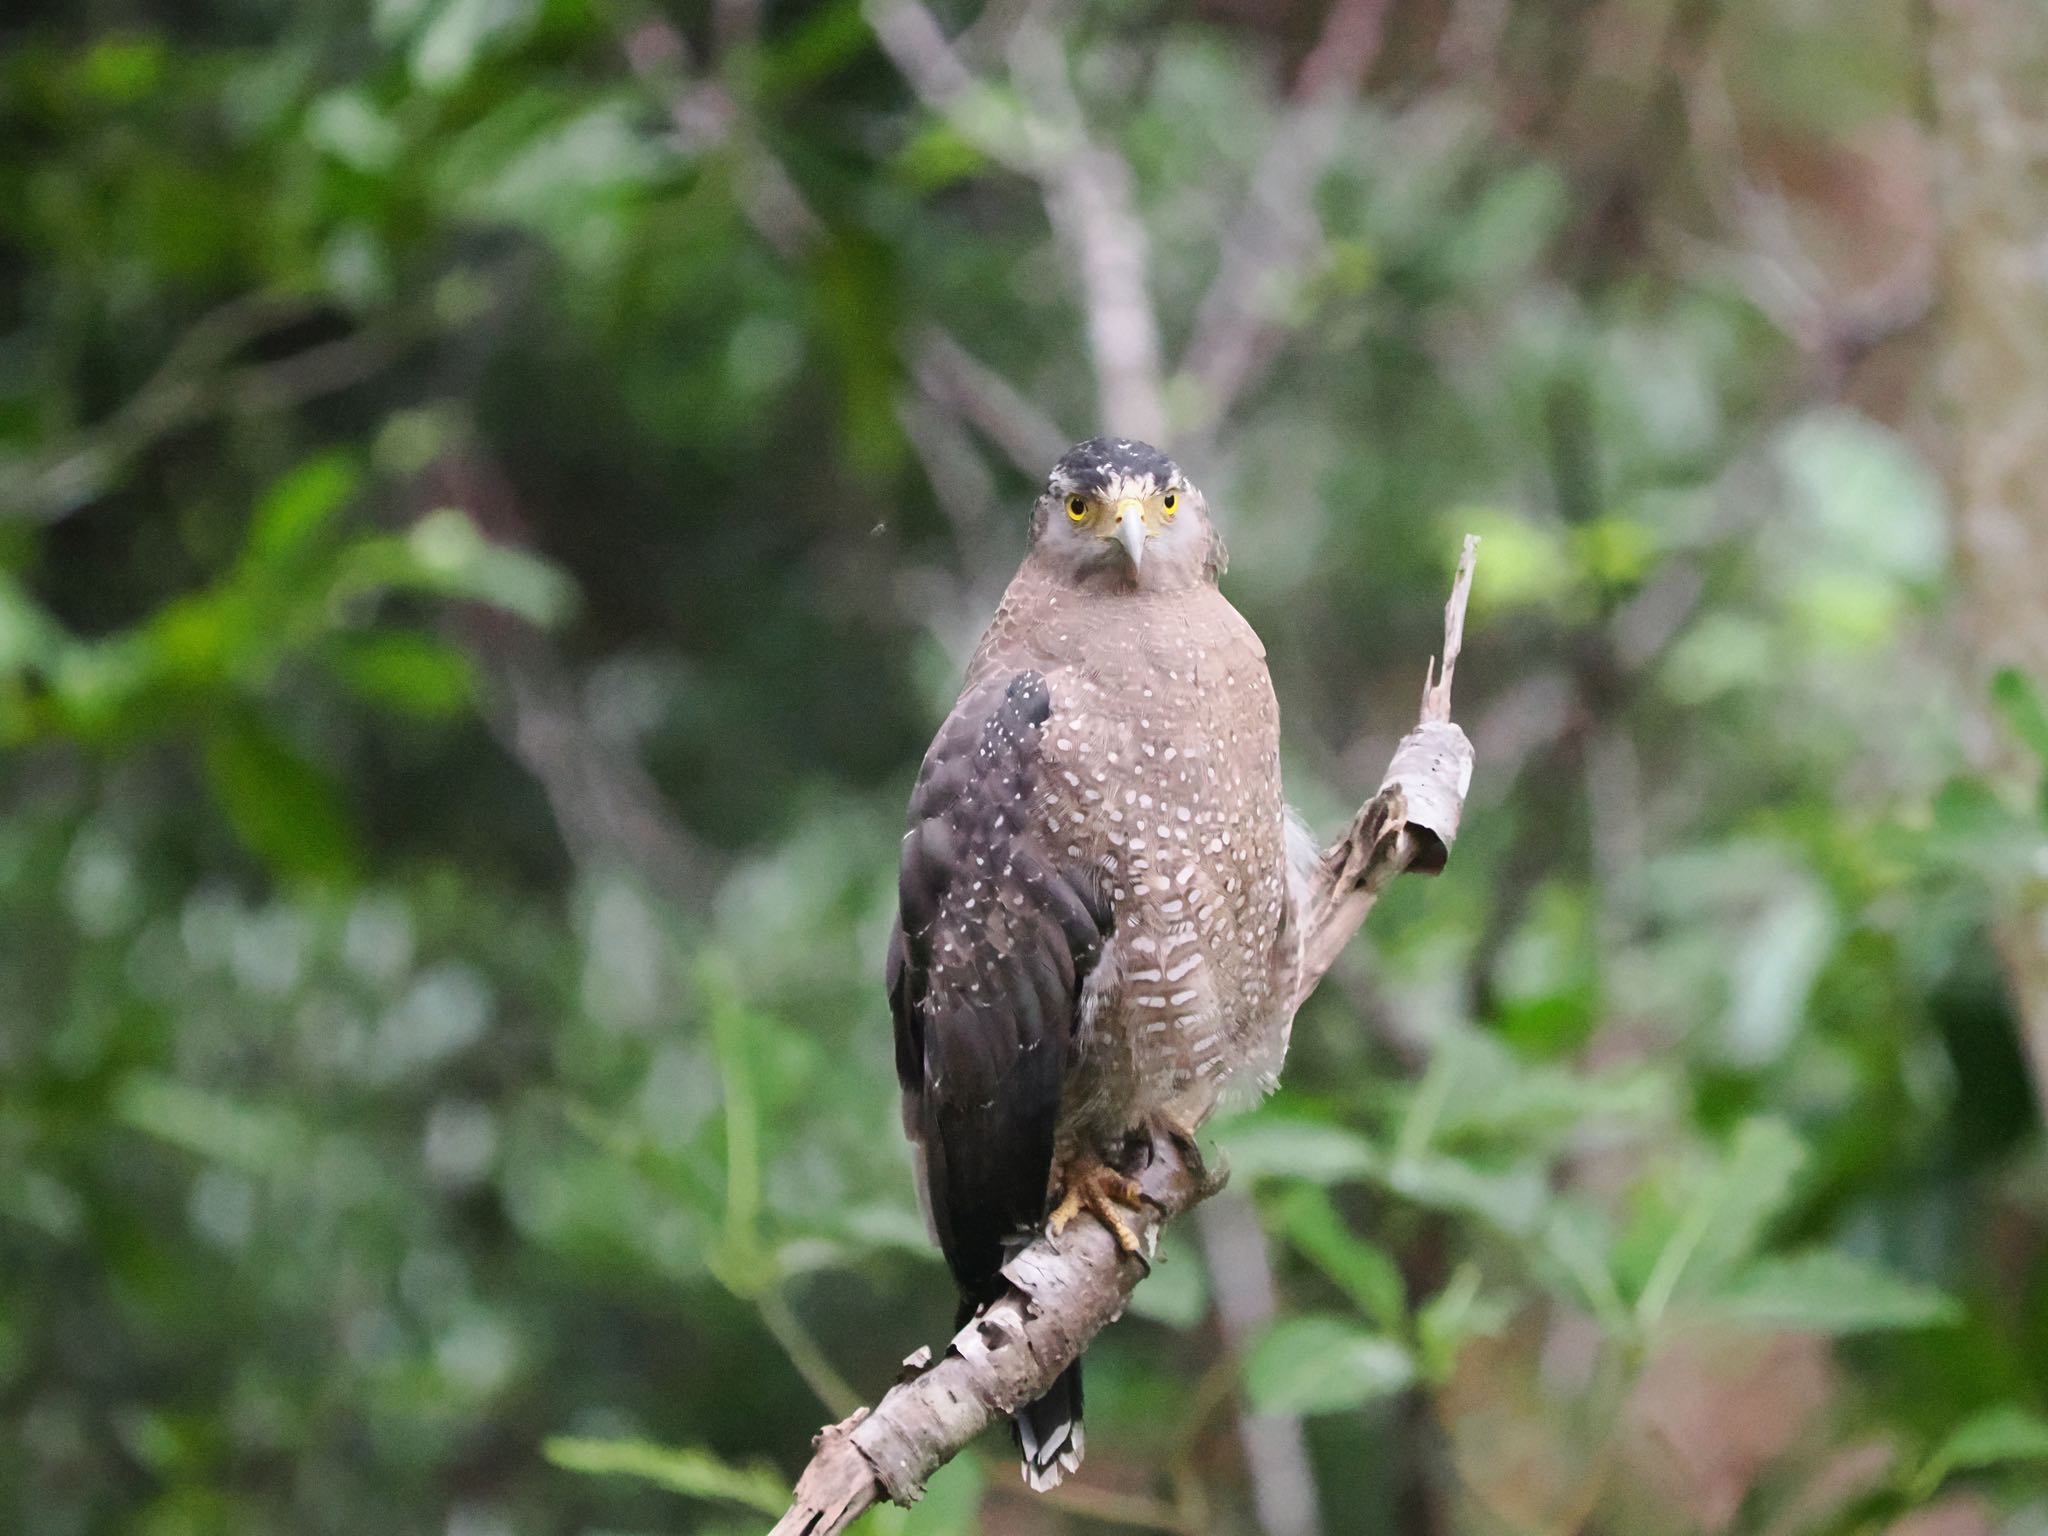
x=1989 y=61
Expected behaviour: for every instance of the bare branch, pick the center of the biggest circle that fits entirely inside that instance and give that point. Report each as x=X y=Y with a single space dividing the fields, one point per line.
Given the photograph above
x=605 y=803
x=197 y=380
x=1090 y=194
x=1064 y=1290
x=1093 y=207
x=705 y=115
x=986 y=118
x=1092 y=199
x=962 y=383
x=1242 y=318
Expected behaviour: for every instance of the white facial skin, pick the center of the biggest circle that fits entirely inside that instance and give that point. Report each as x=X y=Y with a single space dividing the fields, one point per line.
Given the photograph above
x=1127 y=532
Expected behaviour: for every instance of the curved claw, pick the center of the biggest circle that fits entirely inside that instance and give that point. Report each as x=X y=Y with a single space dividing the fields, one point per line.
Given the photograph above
x=1105 y=1193
x=1208 y=1180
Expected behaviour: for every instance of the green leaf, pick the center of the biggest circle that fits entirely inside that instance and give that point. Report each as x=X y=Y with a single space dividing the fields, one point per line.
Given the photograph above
x=2016 y=697
x=828 y=38
x=28 y=635
x=119 y=70
x=446 y=553
x=461 y=32
x=1176 y=1291
x=412 y=674
x=1719 y=1228
x=1511 y=1199
x=666 y=1169
x=689 y=1470
x=1457 y=1314
x=298 y=506
x=1578 y=1247
x=258 y=1139
x=1976 y=834
x=1502 y=1097
x=286 y=810
x=938 y=156
x=1364 y=1272
x=1276 y=1146
x=1873 y=501
x=1825 y=1291
x=950 y=1506
x=1323 y=1364
x=1996 y=1437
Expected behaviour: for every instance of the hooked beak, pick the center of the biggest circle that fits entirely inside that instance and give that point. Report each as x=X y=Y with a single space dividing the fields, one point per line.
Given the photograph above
x=1130 y=529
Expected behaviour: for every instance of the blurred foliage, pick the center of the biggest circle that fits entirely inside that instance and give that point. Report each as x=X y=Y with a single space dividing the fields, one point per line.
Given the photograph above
x=481 y=560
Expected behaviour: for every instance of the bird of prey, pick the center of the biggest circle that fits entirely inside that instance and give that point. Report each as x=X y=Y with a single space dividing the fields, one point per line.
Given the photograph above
x=1096 y=931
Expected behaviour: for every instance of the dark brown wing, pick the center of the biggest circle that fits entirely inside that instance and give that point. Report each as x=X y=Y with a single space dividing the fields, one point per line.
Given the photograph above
x=993 y=940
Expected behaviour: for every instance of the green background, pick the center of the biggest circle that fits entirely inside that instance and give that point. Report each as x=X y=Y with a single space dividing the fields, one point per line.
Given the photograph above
x=494 y=498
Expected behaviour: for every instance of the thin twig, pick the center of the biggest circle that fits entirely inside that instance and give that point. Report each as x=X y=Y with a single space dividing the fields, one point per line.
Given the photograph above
x=1436 y=692
x=805 y=1354
x=195 y=381
x=1410 y=823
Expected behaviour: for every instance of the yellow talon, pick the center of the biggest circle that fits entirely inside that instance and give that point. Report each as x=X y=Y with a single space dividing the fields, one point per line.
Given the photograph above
x=1096 y=1187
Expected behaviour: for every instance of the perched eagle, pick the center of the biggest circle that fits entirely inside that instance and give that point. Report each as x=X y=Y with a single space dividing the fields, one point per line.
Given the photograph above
x=1096 y=927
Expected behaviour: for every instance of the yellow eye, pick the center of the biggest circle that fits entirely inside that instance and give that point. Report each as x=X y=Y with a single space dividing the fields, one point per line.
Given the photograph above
x=1076 y=508
x=1171 y=503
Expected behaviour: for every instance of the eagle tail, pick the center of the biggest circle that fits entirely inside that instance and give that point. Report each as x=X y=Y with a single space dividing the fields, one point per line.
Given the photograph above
x=1049 y=1432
